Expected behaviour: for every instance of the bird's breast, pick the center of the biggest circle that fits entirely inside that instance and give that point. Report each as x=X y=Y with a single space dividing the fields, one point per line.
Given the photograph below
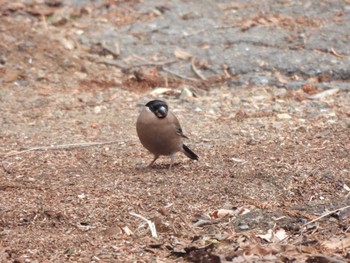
x=159 y=136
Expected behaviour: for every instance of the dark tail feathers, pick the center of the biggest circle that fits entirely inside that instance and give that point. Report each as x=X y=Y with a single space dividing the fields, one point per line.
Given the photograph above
x=189 y=153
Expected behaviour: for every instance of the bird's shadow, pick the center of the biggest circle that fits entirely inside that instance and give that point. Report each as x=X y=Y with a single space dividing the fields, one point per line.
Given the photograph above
x=157 y=167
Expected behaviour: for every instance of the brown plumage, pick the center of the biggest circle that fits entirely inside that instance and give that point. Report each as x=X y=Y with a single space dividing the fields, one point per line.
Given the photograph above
x=160 y=132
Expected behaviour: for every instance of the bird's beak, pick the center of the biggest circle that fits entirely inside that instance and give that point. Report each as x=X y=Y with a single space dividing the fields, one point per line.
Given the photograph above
x=162 y=112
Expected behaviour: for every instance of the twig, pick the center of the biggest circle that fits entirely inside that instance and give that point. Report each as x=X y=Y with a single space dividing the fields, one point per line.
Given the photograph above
x=335 y=53
x=125 y=67
x=152 y=63
x=327 y=214
x=188 y=225
x=196 y=71
x=113 y=63
x=57 y=147
x=178 y=75
x=210 y=29
x=151 y=225
x=5 y=168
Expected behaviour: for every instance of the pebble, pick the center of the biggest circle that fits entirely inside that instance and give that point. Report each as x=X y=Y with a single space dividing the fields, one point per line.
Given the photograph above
x=243 y=227
x=281 y=92
x=97 y=110
x=67 y=43
x=283 y=116
x=186 y=93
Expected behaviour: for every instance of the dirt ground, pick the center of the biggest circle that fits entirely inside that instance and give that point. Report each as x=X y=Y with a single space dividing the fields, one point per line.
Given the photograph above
x=272 y=183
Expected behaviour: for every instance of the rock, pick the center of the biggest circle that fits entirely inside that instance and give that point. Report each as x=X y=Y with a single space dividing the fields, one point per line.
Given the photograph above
x=243 y=227
x=276 y=107
x=283 y=116
x=186 y=93
x=68 y=43
x=280 y=92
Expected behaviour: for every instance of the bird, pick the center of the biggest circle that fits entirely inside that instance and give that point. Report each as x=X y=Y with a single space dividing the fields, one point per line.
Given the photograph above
x=160 y=132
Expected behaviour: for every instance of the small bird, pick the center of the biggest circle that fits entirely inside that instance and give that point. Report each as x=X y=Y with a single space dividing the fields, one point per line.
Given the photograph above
x=160 y=132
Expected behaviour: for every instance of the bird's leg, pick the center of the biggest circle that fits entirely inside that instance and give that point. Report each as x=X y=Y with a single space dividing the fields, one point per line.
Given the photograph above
x=172 y=161
x=155 y=159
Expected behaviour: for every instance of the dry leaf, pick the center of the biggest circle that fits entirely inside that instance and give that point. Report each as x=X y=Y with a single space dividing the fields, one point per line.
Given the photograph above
x=337 y=244
x=299 y=95
x=45 y=11
x=310 y=89
x=267 y=237
x=238 y=160
x=323 y=94
x=14 y=7
x=68 y=43
x=283 y=116
x=247 y=25
x=280 y=78
x=127 y=231
x=159 y=91
x=220 y=213
x=181 y=54
x=274 y=237
x=204 y=46
x=281 y=234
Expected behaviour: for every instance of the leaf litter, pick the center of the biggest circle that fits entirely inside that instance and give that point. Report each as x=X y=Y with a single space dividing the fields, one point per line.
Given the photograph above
x=271 y=184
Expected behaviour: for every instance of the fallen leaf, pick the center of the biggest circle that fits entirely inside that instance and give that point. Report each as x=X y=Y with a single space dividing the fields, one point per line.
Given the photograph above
x=280 y=234
x=11 y=75
x=247 y=25
x=220 y=213
x=337 y=244
x=280 y=78
x=41 y=11
x=127 y=231
x=67 y=43
x=186 y=93
x=238 y=160
x=181 y=54
x=13 y=7
x=310 y=89
x=267 y=237
x=283 y=116
x=274 y=237
x=323 y=94
x=159 y=91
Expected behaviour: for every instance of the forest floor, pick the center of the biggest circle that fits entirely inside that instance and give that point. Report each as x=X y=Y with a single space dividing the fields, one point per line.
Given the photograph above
x=270 y=124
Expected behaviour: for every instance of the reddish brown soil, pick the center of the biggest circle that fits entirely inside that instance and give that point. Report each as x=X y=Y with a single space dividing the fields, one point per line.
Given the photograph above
x=269 y=158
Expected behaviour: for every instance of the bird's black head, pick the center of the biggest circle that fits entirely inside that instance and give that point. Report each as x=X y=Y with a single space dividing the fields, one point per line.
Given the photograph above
x=158 y=107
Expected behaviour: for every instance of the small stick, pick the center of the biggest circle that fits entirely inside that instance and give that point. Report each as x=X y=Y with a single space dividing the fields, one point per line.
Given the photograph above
x=152 y=63
x=125 y=67
x=209 y=29
x=196 y=71
x=112 y=63
x=188 y=225
x=58 y=147
x=162 y=64
x=151 y=225
x=335 y=53
x=327 y=214
x=178 y=75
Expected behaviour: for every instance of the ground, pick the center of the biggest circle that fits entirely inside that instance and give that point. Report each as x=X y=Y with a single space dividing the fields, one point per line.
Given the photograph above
x=272 y=182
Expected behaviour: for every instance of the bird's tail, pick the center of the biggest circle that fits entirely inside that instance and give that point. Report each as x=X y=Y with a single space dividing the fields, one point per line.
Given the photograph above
x=189 y=153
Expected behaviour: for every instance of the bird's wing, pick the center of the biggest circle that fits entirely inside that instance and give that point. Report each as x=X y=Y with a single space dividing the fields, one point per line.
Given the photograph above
x=177 y=125
x=179 y=132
